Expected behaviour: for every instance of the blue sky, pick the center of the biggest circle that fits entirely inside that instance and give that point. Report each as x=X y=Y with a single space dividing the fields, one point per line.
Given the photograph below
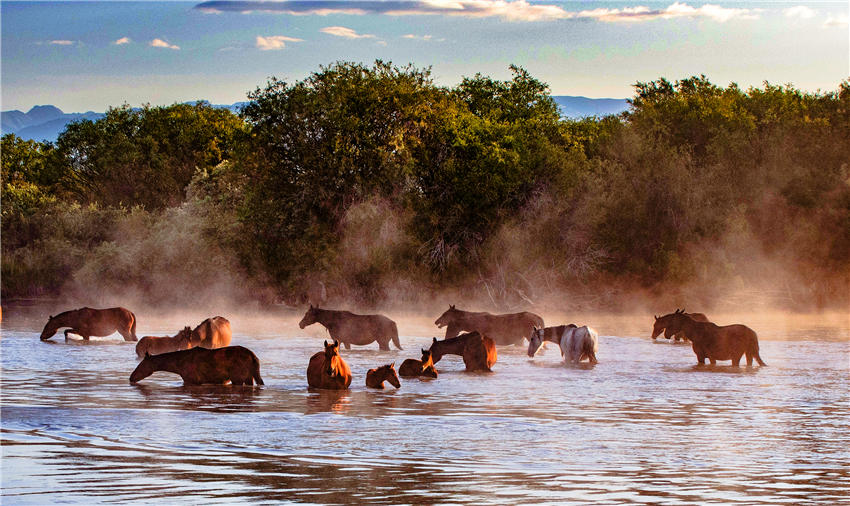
x=91 y=55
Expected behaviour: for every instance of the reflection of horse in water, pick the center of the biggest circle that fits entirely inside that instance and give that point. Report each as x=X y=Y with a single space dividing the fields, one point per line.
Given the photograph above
x=712 y=342
x=679 y=336
x=478 y=352
x=328 y=370
x=349 y=328
x=412 y=368
x=152 y=345
x=212 y=333
x=87 y=322
x=200 y=366
x=375 y=377
x=503 y=329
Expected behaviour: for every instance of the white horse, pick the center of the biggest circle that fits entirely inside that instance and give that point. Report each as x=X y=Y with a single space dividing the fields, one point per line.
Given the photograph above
x=551 y=334
x=578 y=343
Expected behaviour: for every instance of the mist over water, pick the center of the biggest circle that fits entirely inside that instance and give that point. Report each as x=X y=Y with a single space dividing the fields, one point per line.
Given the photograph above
x=643 y=426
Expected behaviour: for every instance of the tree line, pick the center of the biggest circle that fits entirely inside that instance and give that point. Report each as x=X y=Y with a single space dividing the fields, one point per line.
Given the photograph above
x=388 y=187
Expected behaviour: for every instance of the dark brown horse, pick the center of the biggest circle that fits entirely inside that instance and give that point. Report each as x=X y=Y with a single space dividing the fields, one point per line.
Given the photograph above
x=375 y=377
x=412 y=368
x=503 y=329
x=328 y=370
x=87 y=322
x=680 y=336
x=478 y=352
x=349 y=328
x=152 y=345
x=212 y=333
x=200 y=366
x=713 y=342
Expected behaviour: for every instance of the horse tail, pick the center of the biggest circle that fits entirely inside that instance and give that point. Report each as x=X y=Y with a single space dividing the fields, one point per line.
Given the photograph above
x=394 y=329
x=133 y=327
x=755 y=348
x=256 y=373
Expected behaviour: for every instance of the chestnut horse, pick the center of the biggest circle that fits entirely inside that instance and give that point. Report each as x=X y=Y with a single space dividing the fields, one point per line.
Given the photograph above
x=87 y=322
x=712 y=342
x=478 y=352
x=413 y=368
x=212 y=333
x=375 y=377
x=151 y=345
x=201 y=366
x=503 y=329
x=551 y=334
x=657 y=328
x=350 y=328
x=328 y=370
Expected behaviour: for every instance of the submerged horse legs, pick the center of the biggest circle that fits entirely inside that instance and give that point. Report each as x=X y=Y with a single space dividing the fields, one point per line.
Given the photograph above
x=77 y=332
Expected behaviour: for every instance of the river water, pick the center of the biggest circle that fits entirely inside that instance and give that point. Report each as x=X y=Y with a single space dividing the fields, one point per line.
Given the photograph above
x=643 y=426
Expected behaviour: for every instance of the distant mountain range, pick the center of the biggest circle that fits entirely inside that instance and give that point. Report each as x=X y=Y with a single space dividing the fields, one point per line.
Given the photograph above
x=46 y=122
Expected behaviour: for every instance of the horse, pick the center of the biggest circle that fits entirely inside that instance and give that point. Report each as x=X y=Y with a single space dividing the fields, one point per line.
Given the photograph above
x=202 y=366
x=375 y=377
x=680 y=336
x=151 y=345
x=328 y=370
x=88 y=322
x=578 y=343
x=349 y=328
x=212 y=333
x=551 y=334
x=424 y=367
x=713 y=342
x=478 y=352
x=503 y=329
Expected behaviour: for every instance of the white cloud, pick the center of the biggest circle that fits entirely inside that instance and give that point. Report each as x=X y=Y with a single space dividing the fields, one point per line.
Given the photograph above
x=348 y=33
x=122 y=40
x=675 y=10
x=836 y=22
x=63 y=42
x=273 y=42
x=510 y=10
x=163 y=44
x=800 y=11
x=417 y=37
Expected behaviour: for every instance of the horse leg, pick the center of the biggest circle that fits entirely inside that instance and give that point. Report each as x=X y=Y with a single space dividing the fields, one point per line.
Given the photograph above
x=749 y=359
x=592 y=357
x=713 y=361
x=736 y=361
x=700 y=359
x=384 y=345
x=347 y=345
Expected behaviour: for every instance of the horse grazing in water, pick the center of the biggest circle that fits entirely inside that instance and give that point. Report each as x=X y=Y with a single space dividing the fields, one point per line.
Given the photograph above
x=478 y=352
x=151 y=345
x=87 y=322
x=349 y=328
x=578 y=343
x=375 y=377
x=212 y=333
x=413 y=368
x=680 y=336
x=503 y=329
x=712 y=342
x=551 y=334
x=201 y=366
x=328 y=370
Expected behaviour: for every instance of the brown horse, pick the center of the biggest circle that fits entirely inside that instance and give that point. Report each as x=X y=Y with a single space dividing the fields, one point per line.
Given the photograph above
x=680 y=336
x=478 y=352
x=349 y=328
x=375 y=377
x=87 y=322
x=713 y=342
x=328 y=370
x=201 y=366
x=413 y=368
x=212 y=333
x=151 y=345
x=502 y=328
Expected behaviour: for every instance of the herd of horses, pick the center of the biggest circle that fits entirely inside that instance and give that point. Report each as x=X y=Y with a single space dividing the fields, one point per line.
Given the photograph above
x=203 y=355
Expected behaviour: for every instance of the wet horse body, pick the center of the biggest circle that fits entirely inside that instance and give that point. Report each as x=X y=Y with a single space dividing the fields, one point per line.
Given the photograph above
x=412 y=368
x=375 y=377
x=580 y=343
x=679 y=336
x=478 y=352
x=212 y=333
x=349 y=328
x=327 y=370
x=713 y=342
x=503 y=329
x=87 y=322
x=152 y=345
x=201 y=366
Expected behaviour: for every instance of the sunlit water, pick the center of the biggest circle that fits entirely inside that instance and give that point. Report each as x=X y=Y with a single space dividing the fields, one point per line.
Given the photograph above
x=643 y=426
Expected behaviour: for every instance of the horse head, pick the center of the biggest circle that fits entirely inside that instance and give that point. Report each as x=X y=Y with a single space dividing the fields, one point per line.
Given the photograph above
x=331 y=358
x=309 y=317
x=535 y=341
x=447 y=317
x=391 y=375
x=143 y=370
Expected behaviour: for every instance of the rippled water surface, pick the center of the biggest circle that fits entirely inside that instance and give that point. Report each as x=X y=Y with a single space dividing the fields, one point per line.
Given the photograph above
x=643 y=426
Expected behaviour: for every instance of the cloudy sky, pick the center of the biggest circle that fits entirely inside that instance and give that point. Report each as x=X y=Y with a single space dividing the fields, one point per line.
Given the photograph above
x=90 y=55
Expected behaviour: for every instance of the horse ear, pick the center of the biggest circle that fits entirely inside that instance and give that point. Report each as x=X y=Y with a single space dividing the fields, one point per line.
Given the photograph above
x=435 y=339
x=451 y=306
x=147 y=355
x=326 y=343
x=49 y=317
x=656 y=317
x=336 y=343
x=392 y=366
x=424 y=351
